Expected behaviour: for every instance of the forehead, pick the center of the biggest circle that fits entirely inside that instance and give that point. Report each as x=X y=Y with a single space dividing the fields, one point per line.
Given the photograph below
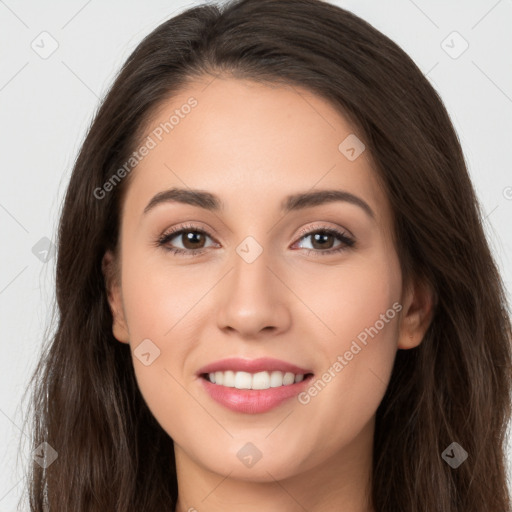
x=251 y=144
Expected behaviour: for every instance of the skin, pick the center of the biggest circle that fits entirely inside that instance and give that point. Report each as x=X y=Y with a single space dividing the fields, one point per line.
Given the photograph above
x=252 y=145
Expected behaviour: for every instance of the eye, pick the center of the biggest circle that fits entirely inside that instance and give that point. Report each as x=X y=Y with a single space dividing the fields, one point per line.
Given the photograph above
x=191 y=237
x=193 y=240
x=323 y=238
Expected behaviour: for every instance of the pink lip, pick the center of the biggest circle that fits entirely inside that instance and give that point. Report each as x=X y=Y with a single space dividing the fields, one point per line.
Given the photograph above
x=262 y=364
x=252 y=401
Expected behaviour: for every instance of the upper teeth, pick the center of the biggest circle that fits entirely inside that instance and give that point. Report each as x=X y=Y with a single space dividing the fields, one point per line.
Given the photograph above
x=260 y=380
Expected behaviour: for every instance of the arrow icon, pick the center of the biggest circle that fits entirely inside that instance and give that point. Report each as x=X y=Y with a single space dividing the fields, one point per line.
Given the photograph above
x=44 y=44
x=351 y=147
x=454 y=455
x=243 y=249
x=454 y=45
x=44 y=249
x=249 y=455
x=146 y=352
x=44 y=455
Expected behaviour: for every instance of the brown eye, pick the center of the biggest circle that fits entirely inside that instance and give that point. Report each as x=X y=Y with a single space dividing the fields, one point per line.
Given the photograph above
x=188 y=240
x=192 y=239
x=322 y=240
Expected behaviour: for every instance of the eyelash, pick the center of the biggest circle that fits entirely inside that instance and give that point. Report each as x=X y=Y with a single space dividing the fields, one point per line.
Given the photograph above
x=347 y=241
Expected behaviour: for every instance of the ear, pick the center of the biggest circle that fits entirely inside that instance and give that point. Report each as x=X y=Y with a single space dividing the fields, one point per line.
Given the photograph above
x=111 y=274
x=418 y=309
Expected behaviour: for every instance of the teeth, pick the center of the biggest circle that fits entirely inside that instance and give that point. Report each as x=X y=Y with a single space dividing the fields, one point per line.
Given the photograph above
x=260 y=380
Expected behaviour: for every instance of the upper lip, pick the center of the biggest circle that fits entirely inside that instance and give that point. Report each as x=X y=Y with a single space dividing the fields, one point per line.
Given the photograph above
x=238 y=364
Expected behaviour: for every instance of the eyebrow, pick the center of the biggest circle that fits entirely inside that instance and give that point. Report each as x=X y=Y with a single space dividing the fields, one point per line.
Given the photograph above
x=294 y=202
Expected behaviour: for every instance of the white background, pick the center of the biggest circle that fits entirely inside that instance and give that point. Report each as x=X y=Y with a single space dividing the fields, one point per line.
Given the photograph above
x=47 y=104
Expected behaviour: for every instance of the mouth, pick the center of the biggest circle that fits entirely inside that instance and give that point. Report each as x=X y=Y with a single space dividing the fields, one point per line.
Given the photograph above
x=255 y=381
x=251 y=400
x=238 y=365
x=253 y=386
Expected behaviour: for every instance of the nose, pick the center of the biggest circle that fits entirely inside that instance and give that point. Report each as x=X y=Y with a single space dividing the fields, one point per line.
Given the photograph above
x=253 y=299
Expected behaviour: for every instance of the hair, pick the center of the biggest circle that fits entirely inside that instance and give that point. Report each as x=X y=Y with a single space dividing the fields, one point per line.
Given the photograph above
x=454 y=387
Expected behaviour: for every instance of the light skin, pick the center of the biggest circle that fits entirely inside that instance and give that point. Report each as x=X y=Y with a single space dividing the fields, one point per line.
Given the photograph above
x=252 y=145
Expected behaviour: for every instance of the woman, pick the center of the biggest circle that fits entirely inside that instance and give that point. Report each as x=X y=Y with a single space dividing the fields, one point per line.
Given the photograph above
x=274 y=288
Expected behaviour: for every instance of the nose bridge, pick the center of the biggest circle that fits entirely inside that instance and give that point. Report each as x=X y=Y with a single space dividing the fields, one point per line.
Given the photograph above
x=251 y=263
x=253 y=298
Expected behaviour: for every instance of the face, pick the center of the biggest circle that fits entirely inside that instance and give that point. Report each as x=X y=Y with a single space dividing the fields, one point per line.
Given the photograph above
x=310 y=283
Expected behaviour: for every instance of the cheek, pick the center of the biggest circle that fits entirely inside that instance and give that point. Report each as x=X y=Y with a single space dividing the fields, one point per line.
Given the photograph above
x=159 y=307
x=352 y=298
x=361 y=304
x=159 y=297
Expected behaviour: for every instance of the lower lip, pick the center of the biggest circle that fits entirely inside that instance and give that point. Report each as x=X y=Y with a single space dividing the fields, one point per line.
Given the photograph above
x=253 y=401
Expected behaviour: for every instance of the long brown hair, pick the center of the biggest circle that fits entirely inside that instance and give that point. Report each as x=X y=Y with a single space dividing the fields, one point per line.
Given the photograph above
x=454 y=387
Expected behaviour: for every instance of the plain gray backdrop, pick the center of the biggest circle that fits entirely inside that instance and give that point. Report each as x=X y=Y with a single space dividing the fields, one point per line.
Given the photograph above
x=57 y=60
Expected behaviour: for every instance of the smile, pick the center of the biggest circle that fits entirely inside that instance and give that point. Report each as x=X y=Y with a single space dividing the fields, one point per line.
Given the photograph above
x=249 y=400
x=255 y=381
